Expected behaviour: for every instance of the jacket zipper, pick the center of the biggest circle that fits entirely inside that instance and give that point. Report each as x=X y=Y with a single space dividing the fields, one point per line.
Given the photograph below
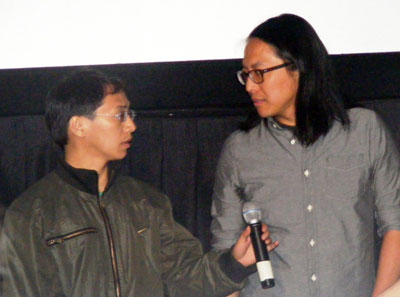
x=111 y=245
x=60 y=239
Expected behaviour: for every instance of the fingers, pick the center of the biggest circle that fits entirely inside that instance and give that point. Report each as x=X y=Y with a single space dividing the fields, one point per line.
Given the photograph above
x=268 y=241
x=265 y=231
x=271 y=246
x=242 y=246
x=246 y=231
x=245 y=236
x=264 y=227
x=243 y=252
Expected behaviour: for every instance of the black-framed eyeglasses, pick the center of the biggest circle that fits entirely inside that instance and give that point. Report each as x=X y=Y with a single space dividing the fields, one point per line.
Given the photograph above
x=257 y=75
x=121 y=116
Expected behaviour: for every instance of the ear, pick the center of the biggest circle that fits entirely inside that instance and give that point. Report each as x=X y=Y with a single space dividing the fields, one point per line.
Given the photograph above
x=77 y=126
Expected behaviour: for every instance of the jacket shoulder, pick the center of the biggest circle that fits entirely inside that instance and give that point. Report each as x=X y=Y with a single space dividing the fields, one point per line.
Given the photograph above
x=38 y=192
x=140 y=190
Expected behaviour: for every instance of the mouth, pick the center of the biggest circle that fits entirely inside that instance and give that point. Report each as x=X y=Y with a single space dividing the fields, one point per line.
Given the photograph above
x=258 y=102
x=127 y=143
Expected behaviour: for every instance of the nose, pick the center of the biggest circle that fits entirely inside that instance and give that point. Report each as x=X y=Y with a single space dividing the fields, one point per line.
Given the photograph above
x=130 y=125
x=250 y=86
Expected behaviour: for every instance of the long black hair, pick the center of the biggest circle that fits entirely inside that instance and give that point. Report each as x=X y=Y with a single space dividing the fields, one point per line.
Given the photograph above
x=318 y=102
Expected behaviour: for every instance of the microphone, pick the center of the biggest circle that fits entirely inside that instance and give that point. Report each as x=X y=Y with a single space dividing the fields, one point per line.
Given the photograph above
x=252 y=216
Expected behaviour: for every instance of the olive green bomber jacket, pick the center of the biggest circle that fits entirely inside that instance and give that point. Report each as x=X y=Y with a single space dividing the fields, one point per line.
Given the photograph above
x=61 y=238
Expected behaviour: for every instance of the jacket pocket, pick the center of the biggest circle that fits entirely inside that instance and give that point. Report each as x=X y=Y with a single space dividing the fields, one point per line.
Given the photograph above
x=142 y=231
x=61 y=238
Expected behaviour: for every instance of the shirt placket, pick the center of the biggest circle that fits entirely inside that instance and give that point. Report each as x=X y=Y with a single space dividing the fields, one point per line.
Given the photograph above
x=304 y=158
x=310 y=209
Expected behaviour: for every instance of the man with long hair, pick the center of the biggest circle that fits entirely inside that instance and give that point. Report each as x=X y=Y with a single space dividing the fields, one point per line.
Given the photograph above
x=322 y=174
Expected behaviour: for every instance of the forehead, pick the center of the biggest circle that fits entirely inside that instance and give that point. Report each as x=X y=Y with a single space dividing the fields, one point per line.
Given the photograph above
x=115 y=101
x=259 y=53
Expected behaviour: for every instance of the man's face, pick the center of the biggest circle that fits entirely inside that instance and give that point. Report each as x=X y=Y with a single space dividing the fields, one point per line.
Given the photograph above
x=107 y=138
x=276 y=95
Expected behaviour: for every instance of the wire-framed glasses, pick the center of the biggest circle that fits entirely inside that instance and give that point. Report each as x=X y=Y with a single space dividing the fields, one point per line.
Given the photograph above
x=257 y=75
x=121 y=116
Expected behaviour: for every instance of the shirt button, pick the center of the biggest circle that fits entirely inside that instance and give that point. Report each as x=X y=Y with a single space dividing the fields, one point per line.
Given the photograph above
x=313 y=277
x=306 y=173
x=293 y=142
x=309 y=208
x=312 y=242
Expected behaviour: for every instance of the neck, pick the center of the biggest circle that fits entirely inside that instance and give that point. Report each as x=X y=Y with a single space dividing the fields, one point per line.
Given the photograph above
x=103 y=179
x=287 y=121
x=284 y=125
x=80 y=160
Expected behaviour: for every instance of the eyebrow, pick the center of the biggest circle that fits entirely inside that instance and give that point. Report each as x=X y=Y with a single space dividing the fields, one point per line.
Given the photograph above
x=123 y=107
x=255 y=66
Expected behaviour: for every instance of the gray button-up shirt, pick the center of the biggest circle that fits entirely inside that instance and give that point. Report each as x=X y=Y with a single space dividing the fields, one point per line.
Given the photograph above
x=320 y=202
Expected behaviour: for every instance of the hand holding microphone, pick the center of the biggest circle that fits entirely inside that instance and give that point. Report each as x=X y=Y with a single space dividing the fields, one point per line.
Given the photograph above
x=259 y=238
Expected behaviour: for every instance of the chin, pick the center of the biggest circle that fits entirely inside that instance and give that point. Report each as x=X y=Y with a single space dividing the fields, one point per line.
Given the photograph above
x=119 y=157
x=123 y=155
x=264 y=114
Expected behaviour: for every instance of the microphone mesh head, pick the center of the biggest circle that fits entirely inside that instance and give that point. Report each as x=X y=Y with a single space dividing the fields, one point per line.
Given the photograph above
x=251 y=212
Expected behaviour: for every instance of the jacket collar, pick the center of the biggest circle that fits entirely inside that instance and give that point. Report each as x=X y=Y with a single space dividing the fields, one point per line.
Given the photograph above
x=83 y=179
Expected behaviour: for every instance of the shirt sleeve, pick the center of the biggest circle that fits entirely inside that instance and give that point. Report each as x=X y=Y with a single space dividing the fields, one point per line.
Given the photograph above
x=386 y=177
x=226 y=209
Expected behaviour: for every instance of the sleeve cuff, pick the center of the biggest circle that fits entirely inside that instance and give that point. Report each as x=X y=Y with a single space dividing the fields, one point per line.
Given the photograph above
x=233 y=269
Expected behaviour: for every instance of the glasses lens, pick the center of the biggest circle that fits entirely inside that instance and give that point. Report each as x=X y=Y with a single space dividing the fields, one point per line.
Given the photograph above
x=123 y=116
x=131 y=114
x=242 y=77
x=256 y=76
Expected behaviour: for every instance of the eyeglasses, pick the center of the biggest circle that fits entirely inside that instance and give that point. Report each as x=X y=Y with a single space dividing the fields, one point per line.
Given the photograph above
x=122 y=116
x=257 y=75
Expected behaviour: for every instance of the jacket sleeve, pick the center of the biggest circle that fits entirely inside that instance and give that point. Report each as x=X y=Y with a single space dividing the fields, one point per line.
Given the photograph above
x=187 y=271
x=26 y=265
x=227 y=201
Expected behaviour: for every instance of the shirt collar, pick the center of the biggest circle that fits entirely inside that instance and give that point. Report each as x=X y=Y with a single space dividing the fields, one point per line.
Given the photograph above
x=271 y=122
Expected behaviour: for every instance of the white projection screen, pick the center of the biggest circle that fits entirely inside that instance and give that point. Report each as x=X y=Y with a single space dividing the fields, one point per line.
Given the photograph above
x=41 y=33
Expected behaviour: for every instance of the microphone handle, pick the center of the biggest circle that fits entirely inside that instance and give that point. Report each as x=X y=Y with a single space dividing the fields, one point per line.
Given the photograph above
x=262 y=258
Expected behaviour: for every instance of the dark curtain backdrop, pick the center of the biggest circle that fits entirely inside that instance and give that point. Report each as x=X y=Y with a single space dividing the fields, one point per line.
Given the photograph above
x=178 y=156
x=185 y=112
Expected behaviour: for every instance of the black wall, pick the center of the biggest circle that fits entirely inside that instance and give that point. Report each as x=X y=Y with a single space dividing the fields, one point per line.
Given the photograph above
x=185 y=112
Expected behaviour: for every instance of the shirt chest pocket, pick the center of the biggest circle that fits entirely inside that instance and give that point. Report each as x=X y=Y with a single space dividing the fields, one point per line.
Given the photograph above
x=344 y=176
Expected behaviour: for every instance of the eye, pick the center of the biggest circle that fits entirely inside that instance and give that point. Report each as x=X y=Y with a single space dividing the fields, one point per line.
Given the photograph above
x=121 y=116
x=256 y=75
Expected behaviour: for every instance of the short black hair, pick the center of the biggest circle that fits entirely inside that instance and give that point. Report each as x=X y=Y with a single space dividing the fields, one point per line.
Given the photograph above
x=318 y=101
x=78 y=94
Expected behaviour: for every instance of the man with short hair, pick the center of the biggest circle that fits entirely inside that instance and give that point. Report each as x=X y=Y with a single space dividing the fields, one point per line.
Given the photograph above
x=84 y=230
